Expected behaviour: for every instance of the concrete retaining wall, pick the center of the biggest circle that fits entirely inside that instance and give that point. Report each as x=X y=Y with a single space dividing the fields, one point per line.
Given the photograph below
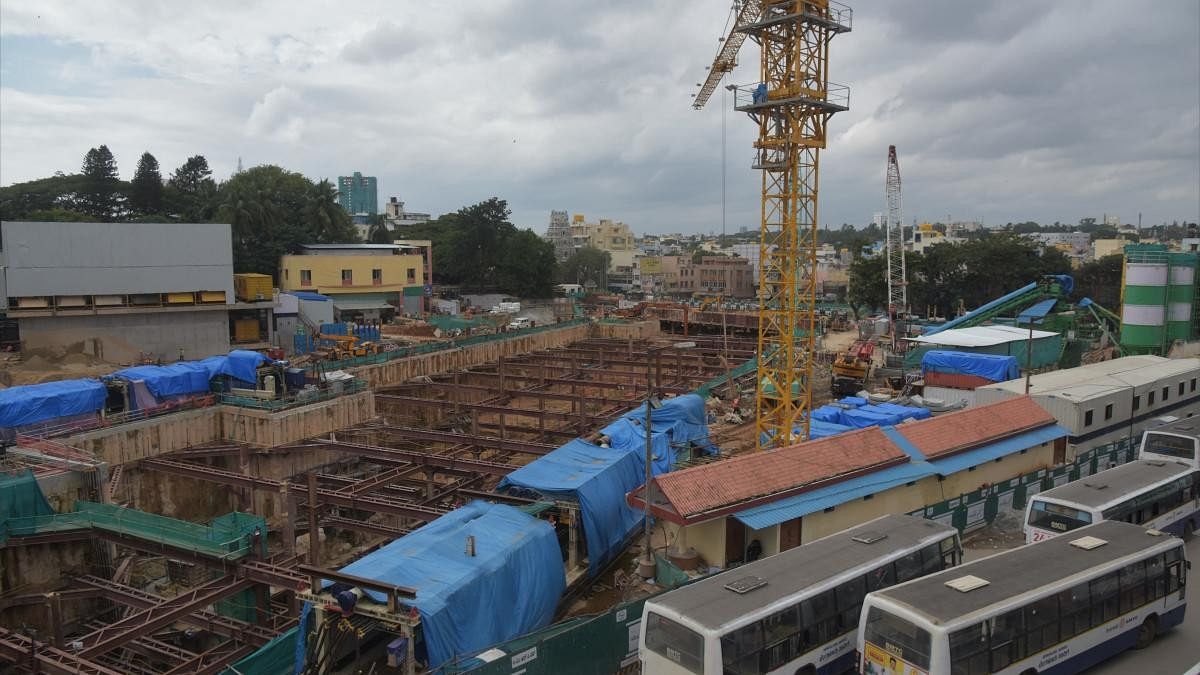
x=638 y=330
x=402 y=370
x=123 y=338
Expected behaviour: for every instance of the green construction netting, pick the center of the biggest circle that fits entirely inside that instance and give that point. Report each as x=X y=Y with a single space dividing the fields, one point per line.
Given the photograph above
x=446 y=322
x=705 y=389
x=230 y=537
x=21 y=497
x=277 y=657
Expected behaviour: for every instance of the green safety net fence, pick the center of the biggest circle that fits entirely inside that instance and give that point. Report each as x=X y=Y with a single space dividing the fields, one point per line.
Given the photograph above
x=705 y=390
x=21 y=497
x=277 y=657
x=445 y=322
x=229 y=537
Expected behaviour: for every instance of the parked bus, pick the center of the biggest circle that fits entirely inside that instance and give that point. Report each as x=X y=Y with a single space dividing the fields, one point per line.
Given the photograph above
x=1159 y=490
x=1058 y=606
x=793 y=612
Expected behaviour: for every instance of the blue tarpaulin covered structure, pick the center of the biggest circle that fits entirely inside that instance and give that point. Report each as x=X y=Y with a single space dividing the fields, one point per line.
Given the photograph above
x=995 y=367
x=682 y=418
x=33 y=403
x=630 y=436
x=509 y=587
x=598 y=479
x=192 y=377
x=831 y=417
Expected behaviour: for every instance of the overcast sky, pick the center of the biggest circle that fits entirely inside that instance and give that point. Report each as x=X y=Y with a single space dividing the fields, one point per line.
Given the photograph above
x=1001 y=111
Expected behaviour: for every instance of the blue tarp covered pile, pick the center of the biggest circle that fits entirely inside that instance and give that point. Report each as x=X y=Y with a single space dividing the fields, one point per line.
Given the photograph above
x=598 y=479
x=995 y=367
x=192 y=377
x=829 y=420
x=678 y=422
x=33 y=403
x=510 y=587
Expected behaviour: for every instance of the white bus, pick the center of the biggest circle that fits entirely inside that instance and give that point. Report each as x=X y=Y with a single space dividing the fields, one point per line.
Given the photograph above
x=793 y=612
x=1159 y=490
x=1057 y=606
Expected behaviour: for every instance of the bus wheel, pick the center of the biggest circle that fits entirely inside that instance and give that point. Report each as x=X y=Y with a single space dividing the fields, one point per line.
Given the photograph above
x=1146 y=632
x=1029 y=671
x=807 y=670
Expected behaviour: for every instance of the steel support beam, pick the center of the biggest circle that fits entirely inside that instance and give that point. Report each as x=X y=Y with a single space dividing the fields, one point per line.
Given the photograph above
x=488 y=442
x=151 y=619
x=19 y=648
x=214 y=660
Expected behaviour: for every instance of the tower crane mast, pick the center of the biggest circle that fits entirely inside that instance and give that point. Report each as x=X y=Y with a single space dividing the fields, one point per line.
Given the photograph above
x=791 y=103
x=897 y=277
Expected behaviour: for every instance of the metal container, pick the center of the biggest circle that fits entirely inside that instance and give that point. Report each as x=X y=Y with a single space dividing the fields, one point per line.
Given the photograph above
x=1181 y=294
x=251 y=287
x=1144 y=298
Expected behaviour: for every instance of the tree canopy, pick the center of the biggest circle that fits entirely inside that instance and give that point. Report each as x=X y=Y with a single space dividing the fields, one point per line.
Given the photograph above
x=587 y=267
x=146 y=188
x=100 y=195
x=972 y=272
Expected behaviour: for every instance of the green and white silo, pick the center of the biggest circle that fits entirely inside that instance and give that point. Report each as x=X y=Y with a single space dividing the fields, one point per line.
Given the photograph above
x=1181 y=296
x=1144 y=298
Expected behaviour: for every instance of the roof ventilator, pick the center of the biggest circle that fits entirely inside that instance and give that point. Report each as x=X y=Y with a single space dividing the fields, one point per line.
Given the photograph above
x=1088 y=543
x=746 y=584
x=968 y=583
x=869 y=537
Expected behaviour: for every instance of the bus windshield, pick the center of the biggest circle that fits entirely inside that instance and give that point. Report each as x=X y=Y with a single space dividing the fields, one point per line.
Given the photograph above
x=1171 y=446
x=897 y=640
x=1057 y=517
x=676 y=642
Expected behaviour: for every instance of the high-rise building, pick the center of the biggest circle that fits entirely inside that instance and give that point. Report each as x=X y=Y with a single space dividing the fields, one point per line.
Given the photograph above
x=358 y=194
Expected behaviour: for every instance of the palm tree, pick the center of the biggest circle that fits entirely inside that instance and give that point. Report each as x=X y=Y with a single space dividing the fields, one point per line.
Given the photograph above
x=378 y=231
x=330 y=222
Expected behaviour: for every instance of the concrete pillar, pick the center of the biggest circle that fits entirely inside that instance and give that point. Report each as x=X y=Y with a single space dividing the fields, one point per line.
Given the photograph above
x=288 y=502
x=314 y=534
x=56 y=619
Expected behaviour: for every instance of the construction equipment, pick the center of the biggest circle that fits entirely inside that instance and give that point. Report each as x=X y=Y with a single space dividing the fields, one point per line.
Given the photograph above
x=791 y=103
x=343 y=347
x=852 y=368
x=897 y=279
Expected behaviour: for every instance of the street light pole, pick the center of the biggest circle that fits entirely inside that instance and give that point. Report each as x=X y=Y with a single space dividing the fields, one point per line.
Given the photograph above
x=647 y=565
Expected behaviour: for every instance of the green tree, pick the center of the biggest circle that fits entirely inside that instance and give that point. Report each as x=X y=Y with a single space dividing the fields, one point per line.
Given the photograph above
x=329 y=221
x=100 y=194
x=192 y=194
x=478 y=232
x=60 y=192
x=868 y=284
x=588 y=267
x=378 y=231
x=146 y=188
x=527 y=266
x=1100 y=280
x=265 y=206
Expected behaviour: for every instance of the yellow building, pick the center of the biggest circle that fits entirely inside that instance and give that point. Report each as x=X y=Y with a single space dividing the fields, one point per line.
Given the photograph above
x=365 y=281
x=1107 y=247
x=791 y=496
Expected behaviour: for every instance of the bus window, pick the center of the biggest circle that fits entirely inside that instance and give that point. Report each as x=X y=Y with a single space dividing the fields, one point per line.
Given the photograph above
x=1171 y=446
x=969 y=651
x=881 y=577
x=740 y=648
x=1057 y=517
x=949 y=552
x=1133 y=586
x=908 y=567
x=820 y=619
x=897 y=636
x=1008 y=638
x=849 y=598
x=1075 y=608
x=1041 y=624
x=1105 y=605
x=676 y=642
x=931 y=559
x=1156 y=580
x=1175 y=572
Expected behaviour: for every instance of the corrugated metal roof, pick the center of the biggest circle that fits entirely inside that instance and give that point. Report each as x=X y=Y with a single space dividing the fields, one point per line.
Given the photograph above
x=987 y=453
x=981 y=336
x=1118 y=373
x=1038 y=311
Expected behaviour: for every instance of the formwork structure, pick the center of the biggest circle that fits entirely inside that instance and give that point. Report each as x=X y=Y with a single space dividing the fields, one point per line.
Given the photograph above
x=439 y=442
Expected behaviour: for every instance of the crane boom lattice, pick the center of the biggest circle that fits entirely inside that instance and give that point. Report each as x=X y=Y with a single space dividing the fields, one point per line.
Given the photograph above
x=897 y=279
x=726 y=58
x=792 y=104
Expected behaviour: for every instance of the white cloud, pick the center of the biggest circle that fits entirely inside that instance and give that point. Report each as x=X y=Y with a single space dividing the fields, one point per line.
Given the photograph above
x=1005 y=111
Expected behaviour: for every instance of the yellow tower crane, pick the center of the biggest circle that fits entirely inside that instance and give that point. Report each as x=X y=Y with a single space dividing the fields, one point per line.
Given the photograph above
x=791 y=103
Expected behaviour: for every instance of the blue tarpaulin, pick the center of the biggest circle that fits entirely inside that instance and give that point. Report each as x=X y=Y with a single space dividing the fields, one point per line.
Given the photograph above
x=598 y=478
x=33 y=403
x=177 y=379
x=905 y=412
x=510 y=587
x=682 y=418
x=995 y=367
x=630 y=436
x=192 y=377
x=309 y=295
x=860 y=418
x=818 y=429
x=1036 y=312
x=827 y=413
x=856 y=401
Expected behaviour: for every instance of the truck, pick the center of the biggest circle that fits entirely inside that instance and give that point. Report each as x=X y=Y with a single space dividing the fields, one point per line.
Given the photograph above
x=852 y=368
